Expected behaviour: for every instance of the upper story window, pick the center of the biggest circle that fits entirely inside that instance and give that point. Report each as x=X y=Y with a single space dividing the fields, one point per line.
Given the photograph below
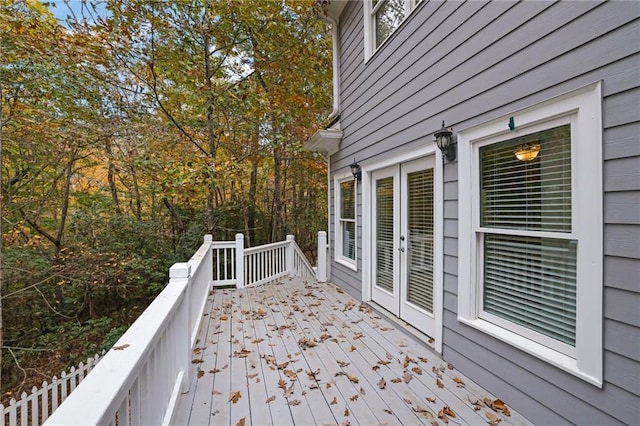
x=381 y=18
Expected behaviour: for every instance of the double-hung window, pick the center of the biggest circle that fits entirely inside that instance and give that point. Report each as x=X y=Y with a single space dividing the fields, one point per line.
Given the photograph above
x=382 y=18
x=346 y=221
x=530 y=267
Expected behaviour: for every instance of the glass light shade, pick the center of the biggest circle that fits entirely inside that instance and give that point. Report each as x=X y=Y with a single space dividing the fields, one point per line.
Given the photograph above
x=527 y=152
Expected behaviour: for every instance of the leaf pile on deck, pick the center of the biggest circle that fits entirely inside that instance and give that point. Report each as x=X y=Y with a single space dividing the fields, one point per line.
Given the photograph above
x=305 y=352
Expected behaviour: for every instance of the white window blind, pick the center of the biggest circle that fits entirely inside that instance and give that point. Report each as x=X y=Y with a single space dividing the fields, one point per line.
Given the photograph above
x=420 y=216
x=384 y=233
x=348 y=219
x=529 y=280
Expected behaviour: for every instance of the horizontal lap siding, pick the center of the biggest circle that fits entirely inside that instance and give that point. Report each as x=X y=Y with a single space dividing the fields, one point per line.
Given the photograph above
x=470 y=62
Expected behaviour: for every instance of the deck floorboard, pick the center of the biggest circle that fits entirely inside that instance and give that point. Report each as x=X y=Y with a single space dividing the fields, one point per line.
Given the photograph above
x=298 y=352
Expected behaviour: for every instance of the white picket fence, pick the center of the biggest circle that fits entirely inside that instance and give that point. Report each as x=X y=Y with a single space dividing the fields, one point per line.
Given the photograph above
x=36 y=407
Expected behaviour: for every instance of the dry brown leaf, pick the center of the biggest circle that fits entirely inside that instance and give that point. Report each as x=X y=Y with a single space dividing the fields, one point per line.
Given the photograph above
x=234 y=396
x=290 y=374
x=493 y=419
x=459 y=382
x=354 y=397
x=502 y=407
x=294 y=402
x=423 y=359
x=259 y=340
x=343 y=363
x=353 y=379
x=419 y=409
x=375 y=368
x=224 y=317
x=384 y=362
x=407 y=377
x=362 y=392
x=382 y=383
x=121 y=347
x=396 y=380
x=282 y=384
x=353 y=348
x=431 y=400
x=334 y=401
x=214 y=371
x=271 y=399
x=439 y=383
x=200 y=373
x=448 y=411
x=346 y=412
x=312 y=374
x=417 y=370
x=240 y=422
x=197 y=361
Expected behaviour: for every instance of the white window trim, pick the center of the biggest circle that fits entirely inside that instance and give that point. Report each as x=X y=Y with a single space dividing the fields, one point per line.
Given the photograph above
x=338 y=255
x=370 y=29
x=583 y=108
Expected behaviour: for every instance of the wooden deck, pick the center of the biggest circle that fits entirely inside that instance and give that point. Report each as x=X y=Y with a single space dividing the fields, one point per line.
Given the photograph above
x=306 y=353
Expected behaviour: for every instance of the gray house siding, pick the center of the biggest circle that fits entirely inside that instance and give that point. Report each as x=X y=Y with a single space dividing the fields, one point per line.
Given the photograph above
x=468 y=63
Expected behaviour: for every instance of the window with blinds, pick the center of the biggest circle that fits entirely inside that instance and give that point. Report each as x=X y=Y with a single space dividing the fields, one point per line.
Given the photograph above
x=529 y=257
x=348 y=219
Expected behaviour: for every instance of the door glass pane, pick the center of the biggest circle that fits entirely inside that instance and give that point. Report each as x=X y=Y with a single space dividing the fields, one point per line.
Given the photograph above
x=420 y=225
x=384 y=233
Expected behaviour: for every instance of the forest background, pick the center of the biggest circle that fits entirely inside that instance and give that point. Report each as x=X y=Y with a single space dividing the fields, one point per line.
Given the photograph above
x=128 y=131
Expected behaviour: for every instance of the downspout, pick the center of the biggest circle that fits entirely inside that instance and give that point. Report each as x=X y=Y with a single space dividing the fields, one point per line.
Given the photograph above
x=336 y=65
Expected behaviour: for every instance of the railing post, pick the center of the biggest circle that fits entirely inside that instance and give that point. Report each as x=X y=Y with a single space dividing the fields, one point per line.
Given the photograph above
x=321 y=267
x=290 y=254
x=182 y=271
x=239 y=261
x=208 y=239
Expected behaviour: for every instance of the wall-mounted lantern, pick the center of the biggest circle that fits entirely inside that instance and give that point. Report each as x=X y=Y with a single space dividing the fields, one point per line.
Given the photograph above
x=446 y=143
x=356 y=170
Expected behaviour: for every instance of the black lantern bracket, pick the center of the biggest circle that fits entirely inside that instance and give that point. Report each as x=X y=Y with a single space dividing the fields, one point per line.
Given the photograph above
x=356 y=170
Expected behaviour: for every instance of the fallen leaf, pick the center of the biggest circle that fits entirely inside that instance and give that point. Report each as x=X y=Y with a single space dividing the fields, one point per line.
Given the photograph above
x=346 y=412
x=271 y=399
x=197 y=361
x=362 y=392
x=334 y=401
x=396 y=380
x=423 y=359
x=353 y=379
x=240 y=422
x=353 y=348
x=459 y=382
x=407 y=377
x=342 y=363
x=234 y=396
x=431 y=400
x=448 y=411
x=354 y=397
x=386 y=410
x=282 y=384
x=224 y=317
x=252 y=376
x=121 y=347
x=200 y=373
x=382 y=383
x=417 y=370
x=493 y=419
x=214 y=371
x=439 y=383
x=499 y=405
x=294 y=402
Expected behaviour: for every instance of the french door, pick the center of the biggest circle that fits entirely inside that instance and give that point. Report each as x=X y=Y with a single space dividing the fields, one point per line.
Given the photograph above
x=403 y=242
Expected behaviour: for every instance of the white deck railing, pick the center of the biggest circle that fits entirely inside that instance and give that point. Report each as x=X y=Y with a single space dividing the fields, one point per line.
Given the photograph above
x=139 y=380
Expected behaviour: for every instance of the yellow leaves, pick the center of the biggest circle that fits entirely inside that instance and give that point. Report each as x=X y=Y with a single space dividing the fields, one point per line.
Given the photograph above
x=234 y=397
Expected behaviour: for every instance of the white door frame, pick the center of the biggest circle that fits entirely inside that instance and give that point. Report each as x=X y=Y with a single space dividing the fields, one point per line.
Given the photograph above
x=367 y=264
